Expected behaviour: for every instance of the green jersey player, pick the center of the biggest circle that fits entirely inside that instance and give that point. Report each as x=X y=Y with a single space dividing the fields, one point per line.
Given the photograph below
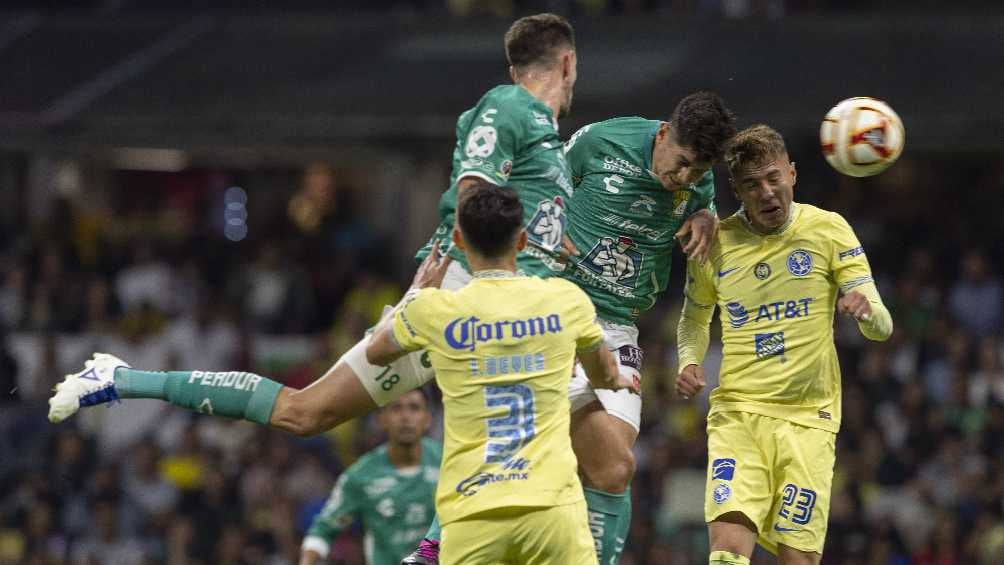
x=392 y=489
x=639 y=184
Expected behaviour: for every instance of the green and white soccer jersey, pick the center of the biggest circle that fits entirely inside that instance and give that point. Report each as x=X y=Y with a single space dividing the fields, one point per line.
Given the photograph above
x=511 y=139
x=624 y=220
x=396 y=505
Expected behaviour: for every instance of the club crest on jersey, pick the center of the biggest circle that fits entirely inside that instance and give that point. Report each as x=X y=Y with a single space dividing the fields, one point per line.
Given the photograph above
x=761 y=271
x=799 y=262
x=721 y=493
x=616 y=261
x=547 y=225
x=644 y=206
x=680 y=200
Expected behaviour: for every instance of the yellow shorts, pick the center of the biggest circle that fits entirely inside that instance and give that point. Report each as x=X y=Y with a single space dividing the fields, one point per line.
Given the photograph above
x=549 y=535
x=775 y=472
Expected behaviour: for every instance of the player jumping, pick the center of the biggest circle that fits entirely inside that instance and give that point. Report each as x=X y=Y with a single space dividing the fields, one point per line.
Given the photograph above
x=776 y=270
x=502 y=348
x=637 y=182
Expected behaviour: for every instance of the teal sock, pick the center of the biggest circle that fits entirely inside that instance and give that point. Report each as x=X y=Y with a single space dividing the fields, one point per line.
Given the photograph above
x=623 y=524
x=607 y=511
x=435 y=532
x=233 y=394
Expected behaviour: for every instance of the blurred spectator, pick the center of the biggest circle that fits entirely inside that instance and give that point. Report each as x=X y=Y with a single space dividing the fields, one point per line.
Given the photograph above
x=147 y=279
x=104 y=544
x=986 y=385
x=975 y=300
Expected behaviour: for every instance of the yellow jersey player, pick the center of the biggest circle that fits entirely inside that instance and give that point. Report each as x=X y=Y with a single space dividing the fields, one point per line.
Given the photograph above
x=502 y=348
x=776 y=270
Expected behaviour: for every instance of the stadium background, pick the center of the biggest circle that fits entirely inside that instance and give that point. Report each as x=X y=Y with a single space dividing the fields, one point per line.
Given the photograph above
x=233 y=185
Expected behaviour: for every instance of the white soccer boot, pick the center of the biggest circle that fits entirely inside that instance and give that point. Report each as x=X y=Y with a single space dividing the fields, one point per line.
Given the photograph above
x=94 y=385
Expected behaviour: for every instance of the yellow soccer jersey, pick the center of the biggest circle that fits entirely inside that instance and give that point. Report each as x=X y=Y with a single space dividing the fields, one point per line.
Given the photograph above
x=776 y=294
x=502 y=348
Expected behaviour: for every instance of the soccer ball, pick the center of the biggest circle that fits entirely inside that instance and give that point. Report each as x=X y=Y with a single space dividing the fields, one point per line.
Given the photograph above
x=861 y=136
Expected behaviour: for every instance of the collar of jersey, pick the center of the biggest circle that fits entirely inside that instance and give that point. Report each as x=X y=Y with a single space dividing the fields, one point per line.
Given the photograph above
x=494 y=274
x=648 y=147
x=540 y=103
x=749 y=225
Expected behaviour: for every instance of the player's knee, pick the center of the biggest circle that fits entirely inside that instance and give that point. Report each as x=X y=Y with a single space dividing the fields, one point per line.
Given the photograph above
x=616 y=472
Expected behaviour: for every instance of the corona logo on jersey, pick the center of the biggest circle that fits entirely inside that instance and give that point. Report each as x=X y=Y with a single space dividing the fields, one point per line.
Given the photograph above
x=616 y=261
x=465 y=333
x=771 y=311
x=547 y=226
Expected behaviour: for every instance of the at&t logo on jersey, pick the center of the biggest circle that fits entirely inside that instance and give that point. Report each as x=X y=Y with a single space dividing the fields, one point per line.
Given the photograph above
x=772 y=311
x=737 y=314
x=465 y=333
x=547 y=226
x=616 y=261
x=799 y=262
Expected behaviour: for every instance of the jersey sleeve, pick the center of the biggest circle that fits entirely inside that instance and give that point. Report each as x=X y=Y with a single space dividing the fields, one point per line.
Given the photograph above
x=337 y=514
x=578 y=150
x=410 y=318
x=851 y=271
x=589 y=334
x=693 y=333
x=704 y=191
x=848 y=262
x=491 y=141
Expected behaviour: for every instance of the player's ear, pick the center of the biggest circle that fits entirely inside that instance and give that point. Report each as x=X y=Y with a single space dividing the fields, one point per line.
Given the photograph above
x=521 y=240
x=662 y=132
x=512 y=73
x=794 y=175
x=568 y=64
x=458 y=239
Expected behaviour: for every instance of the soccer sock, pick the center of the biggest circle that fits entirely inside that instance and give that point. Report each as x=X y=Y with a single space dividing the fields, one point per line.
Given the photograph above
x=727 y=558
x=435 y=533
x=233 y=394
x=606 y=512
x=624 y=524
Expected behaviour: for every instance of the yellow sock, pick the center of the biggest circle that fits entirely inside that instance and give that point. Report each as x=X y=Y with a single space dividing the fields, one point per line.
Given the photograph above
x=727 y=558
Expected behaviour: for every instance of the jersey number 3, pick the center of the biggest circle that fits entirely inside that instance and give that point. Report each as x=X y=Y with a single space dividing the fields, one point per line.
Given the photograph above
x=509 y=433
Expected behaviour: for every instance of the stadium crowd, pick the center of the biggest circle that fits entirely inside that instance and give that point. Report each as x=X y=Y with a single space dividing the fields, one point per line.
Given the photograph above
x=918 y=475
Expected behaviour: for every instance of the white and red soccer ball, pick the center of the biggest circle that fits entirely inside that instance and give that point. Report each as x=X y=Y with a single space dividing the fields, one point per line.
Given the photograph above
x=861 y=136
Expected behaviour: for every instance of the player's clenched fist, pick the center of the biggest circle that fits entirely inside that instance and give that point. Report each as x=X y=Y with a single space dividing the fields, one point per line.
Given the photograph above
x=855 y=304
x=690 y=382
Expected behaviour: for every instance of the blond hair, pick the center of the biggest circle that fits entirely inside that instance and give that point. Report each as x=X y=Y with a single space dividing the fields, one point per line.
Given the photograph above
x=752 y=147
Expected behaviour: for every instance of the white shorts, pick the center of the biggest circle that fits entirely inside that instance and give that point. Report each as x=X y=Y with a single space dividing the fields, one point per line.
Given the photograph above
x=386 y=384
x=623 y=341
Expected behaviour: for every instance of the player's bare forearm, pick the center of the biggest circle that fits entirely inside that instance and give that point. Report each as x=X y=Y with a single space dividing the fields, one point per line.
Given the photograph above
x=336 y=397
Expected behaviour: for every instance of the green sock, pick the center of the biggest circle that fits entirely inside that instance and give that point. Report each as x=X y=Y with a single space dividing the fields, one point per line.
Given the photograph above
x=727 y=558
x=624 y=524
x=233 y=394
x=609 y=518
x=435 y=532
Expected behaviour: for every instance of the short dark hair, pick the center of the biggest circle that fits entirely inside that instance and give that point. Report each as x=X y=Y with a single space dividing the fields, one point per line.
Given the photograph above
x=702 y=122
x=490 y=218
x=534 y=39
x=753 y=147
